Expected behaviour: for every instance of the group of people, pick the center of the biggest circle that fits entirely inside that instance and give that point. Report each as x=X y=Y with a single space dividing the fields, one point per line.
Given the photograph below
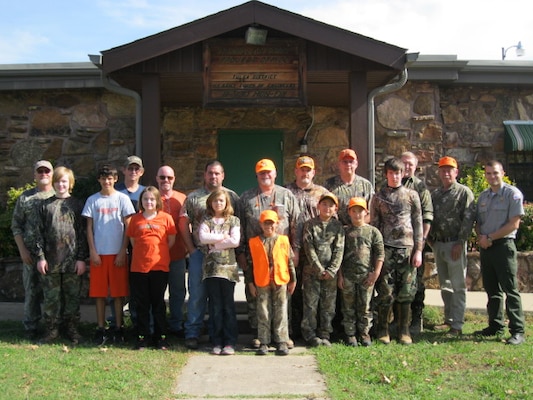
x=314 y=257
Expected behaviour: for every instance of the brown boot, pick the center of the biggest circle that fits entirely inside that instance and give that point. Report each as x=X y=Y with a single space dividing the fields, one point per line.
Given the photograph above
x=383 y=324
x=72 y=331
x=404 y=335
x=51 y=332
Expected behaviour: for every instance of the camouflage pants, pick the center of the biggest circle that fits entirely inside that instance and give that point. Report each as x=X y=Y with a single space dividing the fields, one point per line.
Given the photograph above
x=397 y=281
x=272 y=314
x=318 y=305
x=33 y=296
x=356 y=312
x=61 y=296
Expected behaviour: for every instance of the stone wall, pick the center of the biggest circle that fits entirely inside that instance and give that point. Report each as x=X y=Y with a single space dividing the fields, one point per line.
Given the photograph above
x=85 y=128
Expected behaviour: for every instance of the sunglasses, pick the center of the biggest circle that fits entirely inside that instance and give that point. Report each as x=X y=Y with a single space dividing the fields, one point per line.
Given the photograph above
x=134 y=168
x=164 y=178
x=43 y=171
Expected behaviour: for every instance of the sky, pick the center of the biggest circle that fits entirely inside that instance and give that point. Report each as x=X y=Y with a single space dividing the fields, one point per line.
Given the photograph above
x=53 y=31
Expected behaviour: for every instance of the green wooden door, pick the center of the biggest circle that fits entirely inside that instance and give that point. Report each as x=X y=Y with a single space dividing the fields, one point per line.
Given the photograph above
x=239 y=151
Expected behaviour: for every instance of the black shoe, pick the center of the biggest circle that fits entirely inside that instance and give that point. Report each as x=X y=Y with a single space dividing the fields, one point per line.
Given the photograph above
x=100 y=337
x=141 y=343
x=162 y=343
x=118 y=336
x=31 y=334
x=488 y=331
x=191 y=343
x=180 y=333
x=516 y=339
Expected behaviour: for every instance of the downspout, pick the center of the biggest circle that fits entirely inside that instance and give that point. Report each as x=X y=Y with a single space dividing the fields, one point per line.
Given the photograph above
x=115 y=88
x=389 y=88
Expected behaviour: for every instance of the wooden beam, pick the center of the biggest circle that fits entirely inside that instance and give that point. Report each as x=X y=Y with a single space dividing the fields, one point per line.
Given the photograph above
x=358 y=120
x=151 y=127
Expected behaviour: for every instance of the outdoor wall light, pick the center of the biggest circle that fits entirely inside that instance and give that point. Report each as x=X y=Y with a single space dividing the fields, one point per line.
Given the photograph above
x=520 y=51
x=255 y=35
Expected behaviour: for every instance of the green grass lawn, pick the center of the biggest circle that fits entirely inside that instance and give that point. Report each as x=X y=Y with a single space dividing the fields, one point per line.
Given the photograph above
x=434 y=367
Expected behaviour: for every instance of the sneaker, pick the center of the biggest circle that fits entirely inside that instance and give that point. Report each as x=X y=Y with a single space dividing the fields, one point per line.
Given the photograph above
x=326 y=342
x=191 y=343
x=216 y=350
x=454 y=332
x=162 y=343
x=489 y=332
x=262 y=350
x=366 y=341
x=228 y=351
x=118 y=335
x=255 y=343
x=283 y=349
x=442 y=327
x=314 y=342
x=516 y=339
x=100 y=337
x=141 y=343
x=352 y=341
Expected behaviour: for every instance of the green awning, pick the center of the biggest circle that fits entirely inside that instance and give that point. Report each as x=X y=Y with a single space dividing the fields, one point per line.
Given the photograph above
x=518 y=136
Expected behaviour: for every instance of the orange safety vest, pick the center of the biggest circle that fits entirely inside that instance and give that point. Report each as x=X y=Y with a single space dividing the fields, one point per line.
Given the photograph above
x=281 y=252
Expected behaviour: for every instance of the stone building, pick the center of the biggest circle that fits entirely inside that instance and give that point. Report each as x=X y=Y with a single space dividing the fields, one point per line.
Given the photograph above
x=200 y=91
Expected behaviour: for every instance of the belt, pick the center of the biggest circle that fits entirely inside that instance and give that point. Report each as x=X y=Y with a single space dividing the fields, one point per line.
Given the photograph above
x=447 y=240
x=501 y=241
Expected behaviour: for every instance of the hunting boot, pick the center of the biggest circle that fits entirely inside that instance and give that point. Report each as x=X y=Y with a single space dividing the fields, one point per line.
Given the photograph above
x=51 y=331
x=404 y=335
x=72 y=330
x=383 y=324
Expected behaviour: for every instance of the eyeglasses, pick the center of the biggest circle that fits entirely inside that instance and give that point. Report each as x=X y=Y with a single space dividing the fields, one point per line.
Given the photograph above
x=134 y=168
x=164 y=178
x=43 y=171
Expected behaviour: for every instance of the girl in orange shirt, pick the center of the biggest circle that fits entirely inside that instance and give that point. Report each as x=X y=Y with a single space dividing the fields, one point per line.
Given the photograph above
x=152 y=232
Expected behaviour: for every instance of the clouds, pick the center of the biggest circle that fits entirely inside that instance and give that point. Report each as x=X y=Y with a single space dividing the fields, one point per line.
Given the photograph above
x=59 y=31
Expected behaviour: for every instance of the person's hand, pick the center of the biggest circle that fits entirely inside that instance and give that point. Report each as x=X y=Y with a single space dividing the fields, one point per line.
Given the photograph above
x=26 y=257
x=290 y=287
x=120 y=259
x=416 y=260
x=95 y=258
x=325 y=276
x=371 y=279
x=80 y=268
x=42 y=267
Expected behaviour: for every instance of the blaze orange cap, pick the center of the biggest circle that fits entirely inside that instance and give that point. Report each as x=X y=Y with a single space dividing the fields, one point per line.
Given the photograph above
x=305 y=161
x=264 y=165
x=448 y=162
x=347 y=153
x=357 y=201
x=268 y=215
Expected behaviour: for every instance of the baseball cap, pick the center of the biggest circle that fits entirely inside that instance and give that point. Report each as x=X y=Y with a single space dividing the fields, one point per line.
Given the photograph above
x=43 y=163
x=357 y=201
x=305 y=161
x=347 y=153
x=329 y=196
x=264 y=165
x=448 y=162
x=134 y=160
x=268 y=215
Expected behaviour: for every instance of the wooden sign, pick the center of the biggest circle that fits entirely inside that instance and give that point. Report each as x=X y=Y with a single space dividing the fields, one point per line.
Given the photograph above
x=239 y=74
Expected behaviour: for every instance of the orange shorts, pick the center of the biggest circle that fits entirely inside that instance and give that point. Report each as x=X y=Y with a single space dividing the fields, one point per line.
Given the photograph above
x=107 y=279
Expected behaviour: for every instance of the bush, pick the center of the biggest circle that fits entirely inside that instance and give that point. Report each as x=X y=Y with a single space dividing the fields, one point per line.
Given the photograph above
x=9 y=248
x=524 y=237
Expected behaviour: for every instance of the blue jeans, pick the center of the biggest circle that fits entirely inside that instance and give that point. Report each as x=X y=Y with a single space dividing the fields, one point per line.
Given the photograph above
x=197 y=302
x=177 y=291
x=222 y=311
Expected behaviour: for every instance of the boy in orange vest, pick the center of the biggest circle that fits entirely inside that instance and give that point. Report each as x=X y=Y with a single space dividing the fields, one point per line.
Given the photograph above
x=274 y=279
